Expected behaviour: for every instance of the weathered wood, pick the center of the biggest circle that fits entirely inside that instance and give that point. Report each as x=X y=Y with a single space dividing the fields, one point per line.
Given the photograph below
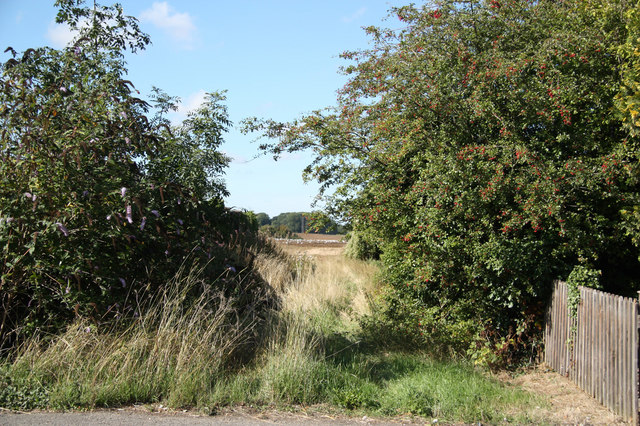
x=635 y=335
x=598 y=349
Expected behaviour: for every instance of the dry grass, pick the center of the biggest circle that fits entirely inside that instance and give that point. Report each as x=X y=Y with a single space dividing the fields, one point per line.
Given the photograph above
x=171 y=352
x=568 y=404
x=321 y=237
x=314 y=244
x=181 y=345
x=179 y=354
x=323 y=278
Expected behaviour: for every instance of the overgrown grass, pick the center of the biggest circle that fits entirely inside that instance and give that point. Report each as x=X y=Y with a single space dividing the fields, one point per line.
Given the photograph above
x=315 y=354
x=173 y=352
x=205 y=352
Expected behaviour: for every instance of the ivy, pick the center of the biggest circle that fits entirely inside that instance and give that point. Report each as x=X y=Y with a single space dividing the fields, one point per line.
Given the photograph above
x=580 y=276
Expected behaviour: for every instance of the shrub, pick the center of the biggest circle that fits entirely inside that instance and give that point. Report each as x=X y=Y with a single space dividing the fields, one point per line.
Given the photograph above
x=488 y=148
x=99 y=201
x=362 y=246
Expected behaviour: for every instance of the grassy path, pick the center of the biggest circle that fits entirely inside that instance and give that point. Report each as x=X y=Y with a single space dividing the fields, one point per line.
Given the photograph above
x=308 y=356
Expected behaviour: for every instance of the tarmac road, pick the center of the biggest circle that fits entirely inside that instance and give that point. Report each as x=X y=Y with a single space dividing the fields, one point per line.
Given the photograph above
x=141 y=418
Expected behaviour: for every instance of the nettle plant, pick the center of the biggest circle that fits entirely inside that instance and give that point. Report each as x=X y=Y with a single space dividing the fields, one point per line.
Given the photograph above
x=480 y=145
x=98 y=202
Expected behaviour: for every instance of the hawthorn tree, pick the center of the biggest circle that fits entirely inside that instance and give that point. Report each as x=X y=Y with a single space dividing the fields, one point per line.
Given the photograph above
x=485 y=147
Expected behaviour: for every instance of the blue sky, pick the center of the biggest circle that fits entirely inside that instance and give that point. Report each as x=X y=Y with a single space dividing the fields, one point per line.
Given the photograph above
x=276 y=59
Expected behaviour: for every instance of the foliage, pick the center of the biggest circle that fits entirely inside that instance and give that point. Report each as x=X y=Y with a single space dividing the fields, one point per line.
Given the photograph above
x=102 y=27
x=189 y=150
x=294 y=221
x=362 y=246
x=319 y=222
x=280 y=231
x=252 y=222
x=20 y=389
x=263 y=219
x=483 y=145
x=100 y=202
x=628 y=98
x=315 y=222
x=580 y=276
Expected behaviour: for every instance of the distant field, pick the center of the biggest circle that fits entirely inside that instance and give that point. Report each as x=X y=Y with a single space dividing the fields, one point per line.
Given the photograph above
x=314 y=239
x=321 y=237
x=314 y=244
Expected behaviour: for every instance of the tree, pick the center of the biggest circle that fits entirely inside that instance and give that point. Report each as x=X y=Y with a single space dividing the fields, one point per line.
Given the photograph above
x=294 y=221
x=99 y=202
x=481 y=146
x=263 y=219
x=319 y=222
x=190 y=156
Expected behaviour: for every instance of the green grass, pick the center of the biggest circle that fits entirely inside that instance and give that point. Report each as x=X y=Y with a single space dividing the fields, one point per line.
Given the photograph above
x=188 y=353
x=377 y=384
x=315 y=359
x=172 y=352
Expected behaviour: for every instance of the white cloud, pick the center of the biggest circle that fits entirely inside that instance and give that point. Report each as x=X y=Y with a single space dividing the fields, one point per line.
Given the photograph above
x=179 y=26
x=60 y=35
x=357 y=14
x=190 y=103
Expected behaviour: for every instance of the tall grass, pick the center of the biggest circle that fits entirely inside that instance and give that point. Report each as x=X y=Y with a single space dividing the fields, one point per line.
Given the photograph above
x=334 y=282
x=314 y=353
x=173 y=352
x=194 y=347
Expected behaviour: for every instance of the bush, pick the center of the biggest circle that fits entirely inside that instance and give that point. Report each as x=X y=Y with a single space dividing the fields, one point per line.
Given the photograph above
x=100 y=202
x=362 y=246
x=183 y=338
x=488 y=148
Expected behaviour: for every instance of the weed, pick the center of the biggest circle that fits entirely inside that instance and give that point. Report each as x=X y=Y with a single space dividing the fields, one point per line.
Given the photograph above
x=20 y=390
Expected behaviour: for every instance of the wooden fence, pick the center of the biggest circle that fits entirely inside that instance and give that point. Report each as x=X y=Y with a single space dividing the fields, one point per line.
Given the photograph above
x=598 y=349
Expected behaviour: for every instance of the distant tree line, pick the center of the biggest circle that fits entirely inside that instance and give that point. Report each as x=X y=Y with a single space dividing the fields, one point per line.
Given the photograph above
x=292 y=222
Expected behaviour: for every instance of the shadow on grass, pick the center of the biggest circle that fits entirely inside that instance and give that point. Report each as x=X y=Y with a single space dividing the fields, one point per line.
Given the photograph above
x=370 y=361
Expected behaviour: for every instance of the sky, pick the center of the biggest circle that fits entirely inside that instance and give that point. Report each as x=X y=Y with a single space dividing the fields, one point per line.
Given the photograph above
x=276 y=59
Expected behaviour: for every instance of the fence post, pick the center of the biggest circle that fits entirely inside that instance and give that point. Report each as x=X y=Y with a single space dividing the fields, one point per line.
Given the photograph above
x=636 y=400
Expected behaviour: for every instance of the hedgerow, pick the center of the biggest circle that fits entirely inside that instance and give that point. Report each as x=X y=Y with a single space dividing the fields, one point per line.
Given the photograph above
x=489 y=148
x=101 y=197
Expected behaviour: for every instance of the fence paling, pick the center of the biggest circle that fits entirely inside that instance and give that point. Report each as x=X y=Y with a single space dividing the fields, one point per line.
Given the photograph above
x=598 y=349
x=634 y=359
